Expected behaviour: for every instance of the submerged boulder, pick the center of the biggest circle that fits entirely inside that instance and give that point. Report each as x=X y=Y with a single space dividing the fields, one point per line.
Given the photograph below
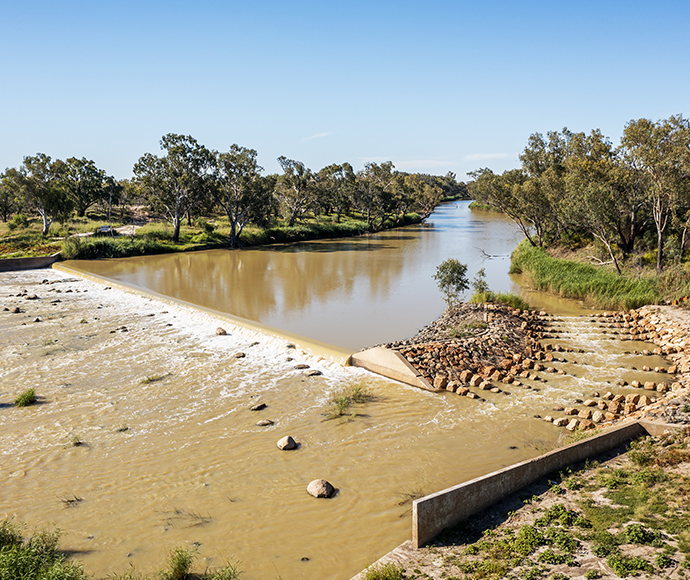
x=286 y=443
x=320 y=488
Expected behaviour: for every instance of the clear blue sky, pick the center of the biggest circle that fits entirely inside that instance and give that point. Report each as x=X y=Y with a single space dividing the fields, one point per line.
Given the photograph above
x=433 y=86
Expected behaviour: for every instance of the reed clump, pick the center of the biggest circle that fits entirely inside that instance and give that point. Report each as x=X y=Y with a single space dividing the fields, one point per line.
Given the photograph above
x=512 y=300
x=35 y=558
x=341 y=402
x=595 y=286
x=27 y=398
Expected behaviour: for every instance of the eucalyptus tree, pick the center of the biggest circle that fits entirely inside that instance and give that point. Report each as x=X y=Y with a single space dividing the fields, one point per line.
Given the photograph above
x=295 y=188
x=237 y=187
x=178 y=182
x=543 y=162
x=41 y=183
x=9 y=193
x=660 y=151
x=337 y=184
x=86 y=184
x=424 y=192
x=592 y=201
x=376 y=185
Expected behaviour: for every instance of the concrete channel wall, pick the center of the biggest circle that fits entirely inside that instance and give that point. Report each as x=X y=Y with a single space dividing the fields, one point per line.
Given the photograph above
x=12 y=264
x=447 y=508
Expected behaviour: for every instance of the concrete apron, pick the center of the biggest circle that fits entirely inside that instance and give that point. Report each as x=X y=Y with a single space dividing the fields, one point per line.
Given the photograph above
x=447 y=508
x=390 y=364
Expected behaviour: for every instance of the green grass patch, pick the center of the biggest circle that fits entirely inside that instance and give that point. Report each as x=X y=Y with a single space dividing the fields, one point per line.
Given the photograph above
x=36 y=558
x=512 y=300
x=342 y=401
x=596 y=287
x=27 y=245
x=478 y=206
x=388 y=571
x=27 y=398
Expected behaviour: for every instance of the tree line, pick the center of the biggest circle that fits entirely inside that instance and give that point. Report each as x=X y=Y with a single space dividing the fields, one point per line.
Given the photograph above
x=575 y=185
x=188 y=179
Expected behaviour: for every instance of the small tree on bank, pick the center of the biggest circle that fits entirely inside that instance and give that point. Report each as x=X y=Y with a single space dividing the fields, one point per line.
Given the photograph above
x=451 y=278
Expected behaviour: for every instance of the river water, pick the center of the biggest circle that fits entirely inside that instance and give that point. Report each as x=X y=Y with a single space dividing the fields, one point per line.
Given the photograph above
x=349 y=293
x=143 y=438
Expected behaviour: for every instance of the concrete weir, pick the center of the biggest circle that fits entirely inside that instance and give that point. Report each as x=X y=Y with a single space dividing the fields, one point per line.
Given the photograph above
x=447 y=508
x=390 y=364
x=12 y=264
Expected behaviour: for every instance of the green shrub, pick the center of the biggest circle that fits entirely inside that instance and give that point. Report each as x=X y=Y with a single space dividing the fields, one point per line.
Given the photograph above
x=10 y=535
x=341 y=401
x=107 y=247
x=180 y=563
x=35 y=559
x=638 y=534
x=27 y=398
x=384 y=572
x=451 y=278
x=625 y=565
x=18 y=221
x=528 y=539
x=229 y=572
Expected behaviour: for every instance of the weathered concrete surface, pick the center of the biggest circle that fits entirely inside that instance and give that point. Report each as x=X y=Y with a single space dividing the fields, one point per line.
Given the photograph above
x=391 y=364
x=11 y=264
x=433 y=513
x=400 y=555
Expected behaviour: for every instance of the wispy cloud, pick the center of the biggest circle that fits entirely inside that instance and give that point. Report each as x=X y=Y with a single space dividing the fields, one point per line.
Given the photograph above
x=317 y=136
x=481 y=156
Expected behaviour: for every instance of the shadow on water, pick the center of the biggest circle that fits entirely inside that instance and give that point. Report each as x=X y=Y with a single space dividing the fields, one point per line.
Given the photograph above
x=327 y=247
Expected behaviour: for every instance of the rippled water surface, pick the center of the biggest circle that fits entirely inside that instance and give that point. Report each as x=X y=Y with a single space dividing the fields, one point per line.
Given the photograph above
x=168 y=452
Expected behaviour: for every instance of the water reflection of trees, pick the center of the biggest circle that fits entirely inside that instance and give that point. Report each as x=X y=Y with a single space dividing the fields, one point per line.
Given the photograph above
x=268 y=285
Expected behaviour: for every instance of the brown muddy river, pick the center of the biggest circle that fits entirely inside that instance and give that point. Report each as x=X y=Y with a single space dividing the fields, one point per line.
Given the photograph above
x=168 y=451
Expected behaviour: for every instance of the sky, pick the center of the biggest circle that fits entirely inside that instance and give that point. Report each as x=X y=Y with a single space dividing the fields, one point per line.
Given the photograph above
x=432 y=86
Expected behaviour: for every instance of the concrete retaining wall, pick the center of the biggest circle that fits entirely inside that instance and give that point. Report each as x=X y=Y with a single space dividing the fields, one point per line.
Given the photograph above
x=447 y=508
x=11 y=264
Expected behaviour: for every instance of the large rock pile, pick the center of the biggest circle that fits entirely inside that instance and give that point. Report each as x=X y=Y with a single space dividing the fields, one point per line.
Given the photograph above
x=473 y=344
x=483 y=347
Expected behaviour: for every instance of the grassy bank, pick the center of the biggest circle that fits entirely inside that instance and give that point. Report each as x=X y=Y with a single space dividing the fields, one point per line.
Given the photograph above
x=156 y=237
x=597 y=286
x=478 y=206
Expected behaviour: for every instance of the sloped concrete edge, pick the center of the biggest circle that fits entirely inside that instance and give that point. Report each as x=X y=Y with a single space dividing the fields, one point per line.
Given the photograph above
x=390 y=364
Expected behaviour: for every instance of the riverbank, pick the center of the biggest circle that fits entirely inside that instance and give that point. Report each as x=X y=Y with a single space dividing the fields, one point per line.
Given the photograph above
x=598 y=286
x=150 y=237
